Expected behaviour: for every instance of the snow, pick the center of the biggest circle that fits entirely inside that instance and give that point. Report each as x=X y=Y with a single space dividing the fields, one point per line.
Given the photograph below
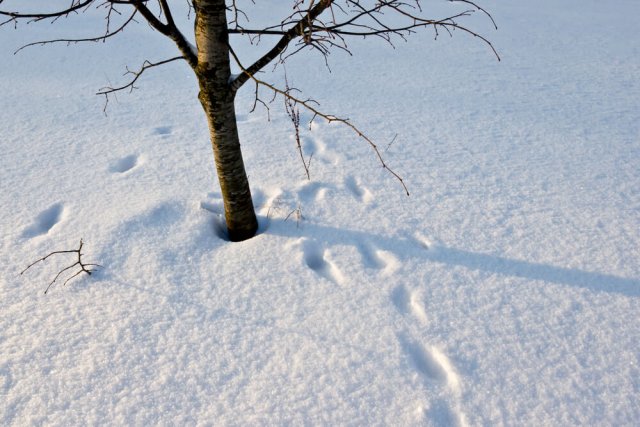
x=193 y=48
x=504 y=291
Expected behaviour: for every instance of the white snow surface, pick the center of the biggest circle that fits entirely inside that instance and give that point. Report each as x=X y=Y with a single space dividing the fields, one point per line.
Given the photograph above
x=504 y=291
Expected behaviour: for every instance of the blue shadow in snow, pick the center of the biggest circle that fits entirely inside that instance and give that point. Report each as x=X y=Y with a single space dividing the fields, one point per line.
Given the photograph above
x=548 y=273
x=408 y=247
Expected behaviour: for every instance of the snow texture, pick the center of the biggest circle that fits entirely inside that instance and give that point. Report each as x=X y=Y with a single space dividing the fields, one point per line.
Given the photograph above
x=504 y=291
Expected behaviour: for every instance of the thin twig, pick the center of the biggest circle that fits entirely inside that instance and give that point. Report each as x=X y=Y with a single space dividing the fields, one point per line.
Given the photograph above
x=106 y=91
x=294 y=114
x=82 y=266
x=308 y=104
x=136 y=75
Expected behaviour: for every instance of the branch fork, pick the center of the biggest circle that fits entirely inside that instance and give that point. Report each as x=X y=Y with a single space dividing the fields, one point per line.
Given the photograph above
x=82 y=266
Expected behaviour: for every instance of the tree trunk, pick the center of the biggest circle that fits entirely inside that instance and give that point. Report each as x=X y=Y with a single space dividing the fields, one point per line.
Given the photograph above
x=217 y=99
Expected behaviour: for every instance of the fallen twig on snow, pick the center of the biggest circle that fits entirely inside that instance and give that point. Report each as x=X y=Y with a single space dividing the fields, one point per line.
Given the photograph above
x=82 y=266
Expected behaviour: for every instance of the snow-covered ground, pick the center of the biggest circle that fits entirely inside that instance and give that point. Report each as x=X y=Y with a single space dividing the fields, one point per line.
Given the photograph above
x=504 y=291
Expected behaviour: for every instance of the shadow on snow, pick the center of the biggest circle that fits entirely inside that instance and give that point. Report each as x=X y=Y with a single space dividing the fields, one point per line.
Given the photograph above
x=407 y=248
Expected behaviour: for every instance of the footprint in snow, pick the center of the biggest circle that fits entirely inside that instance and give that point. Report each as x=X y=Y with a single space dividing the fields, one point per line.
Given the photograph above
x=409 y=303
x=125 y=164
x=163 y=131
x=317 y=259
x=431 y=363
x=315 y=146
x=378 y=259
x=309 y=146
x=359 y=191
x=428 y=361
x=312 y=191
x=45 y=221
x=271 y=203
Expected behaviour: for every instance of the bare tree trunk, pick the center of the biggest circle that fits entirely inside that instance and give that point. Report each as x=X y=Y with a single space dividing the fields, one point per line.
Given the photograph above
x=217 y=99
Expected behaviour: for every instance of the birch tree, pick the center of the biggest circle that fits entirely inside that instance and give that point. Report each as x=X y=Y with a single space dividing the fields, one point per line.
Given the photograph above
x=319 y=26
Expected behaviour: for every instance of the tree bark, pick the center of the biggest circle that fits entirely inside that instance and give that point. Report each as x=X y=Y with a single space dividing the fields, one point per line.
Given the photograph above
x=217 y=99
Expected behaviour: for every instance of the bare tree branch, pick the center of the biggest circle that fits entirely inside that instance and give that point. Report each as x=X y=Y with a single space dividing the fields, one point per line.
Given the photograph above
x=108 y=34
x=82 y=266
x=357 y=18
x=295 y=31
x=136 y=75
x=74 y=7
x=145 y=66
x=323 y=26
x=309 y=105
x=169 y=29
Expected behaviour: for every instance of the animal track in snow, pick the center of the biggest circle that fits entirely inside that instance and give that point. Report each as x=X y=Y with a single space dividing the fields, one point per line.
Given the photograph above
x=452 y=379
x=379 y=259
x=45 y=221
x=417 y=309
x=309 y=146
x=315 y=146
x=400 y=298
x=272 y=203
x=163 y=131
x=432 y=364
x=370 y=257
x=423 y=360
x=429 y=362
x=358 y=190
x=409 y=302
x=125 y=164
x=317 y=260
x=315 y=191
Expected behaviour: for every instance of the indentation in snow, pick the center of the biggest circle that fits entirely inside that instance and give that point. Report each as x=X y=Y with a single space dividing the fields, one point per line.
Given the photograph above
x=163 y=130
x=45 y=221
x=125 y=164
x=316 y=258
x=359 y=191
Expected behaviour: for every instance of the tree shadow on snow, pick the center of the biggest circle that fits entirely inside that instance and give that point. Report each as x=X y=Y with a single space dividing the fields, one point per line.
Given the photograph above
x=410 y=248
